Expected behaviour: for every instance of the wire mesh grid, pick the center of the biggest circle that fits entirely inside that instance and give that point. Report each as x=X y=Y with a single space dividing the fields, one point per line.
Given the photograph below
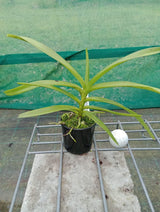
x=47 y=139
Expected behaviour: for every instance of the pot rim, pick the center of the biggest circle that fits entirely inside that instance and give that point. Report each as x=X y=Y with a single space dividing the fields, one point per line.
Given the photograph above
x=79 y=129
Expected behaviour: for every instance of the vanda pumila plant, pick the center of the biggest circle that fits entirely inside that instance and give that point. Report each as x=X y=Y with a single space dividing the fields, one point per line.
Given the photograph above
x=84 y=87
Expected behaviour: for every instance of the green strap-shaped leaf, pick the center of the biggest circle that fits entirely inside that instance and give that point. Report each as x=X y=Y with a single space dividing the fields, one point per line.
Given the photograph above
x=47 y=110
x=111 y=111
x=87 y=68
x=137 y=54
x=19 y=90
x=109 y=101
x=50 y=52
x=23 y=88
x=43 y=83
x=47 y=85
x=100 y=123
x=50 y=83
x=124 y=84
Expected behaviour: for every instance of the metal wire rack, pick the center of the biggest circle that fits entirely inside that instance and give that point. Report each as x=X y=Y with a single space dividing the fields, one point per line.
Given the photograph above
x=137 y=135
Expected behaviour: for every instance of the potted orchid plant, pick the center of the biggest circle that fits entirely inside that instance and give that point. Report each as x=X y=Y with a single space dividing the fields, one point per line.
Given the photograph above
x=78 y=124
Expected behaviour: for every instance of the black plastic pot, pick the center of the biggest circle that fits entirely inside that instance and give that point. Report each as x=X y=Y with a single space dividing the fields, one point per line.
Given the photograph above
x=83 y=138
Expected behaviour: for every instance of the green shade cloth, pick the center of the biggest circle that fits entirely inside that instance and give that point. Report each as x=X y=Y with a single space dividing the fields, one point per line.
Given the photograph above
x=37 y=66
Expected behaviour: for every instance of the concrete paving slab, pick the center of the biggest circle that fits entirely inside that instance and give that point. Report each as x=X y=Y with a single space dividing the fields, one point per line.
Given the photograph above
x=80 y=184
x=118 y=184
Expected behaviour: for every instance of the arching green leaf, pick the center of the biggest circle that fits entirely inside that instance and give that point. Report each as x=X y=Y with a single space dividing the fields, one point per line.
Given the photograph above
x=109 y=101
x=137 y=54
x=124 y=84
x=19 y=90
x=30 y=86
x=50 y=52
x=47 y=110
x=50 y=83
x=100 y=123
x=111 y=111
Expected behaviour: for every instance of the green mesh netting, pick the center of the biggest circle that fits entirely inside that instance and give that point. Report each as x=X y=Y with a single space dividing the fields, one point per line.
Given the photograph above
x=69 y=26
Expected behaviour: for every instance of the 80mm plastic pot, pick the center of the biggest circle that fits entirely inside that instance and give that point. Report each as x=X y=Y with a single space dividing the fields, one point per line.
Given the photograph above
x=83 y=139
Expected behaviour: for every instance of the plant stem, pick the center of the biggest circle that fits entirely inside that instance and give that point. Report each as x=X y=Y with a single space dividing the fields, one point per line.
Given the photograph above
x=82 y=103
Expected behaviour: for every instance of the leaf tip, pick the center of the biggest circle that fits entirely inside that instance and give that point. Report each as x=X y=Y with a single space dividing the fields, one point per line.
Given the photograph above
x=7 y=92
